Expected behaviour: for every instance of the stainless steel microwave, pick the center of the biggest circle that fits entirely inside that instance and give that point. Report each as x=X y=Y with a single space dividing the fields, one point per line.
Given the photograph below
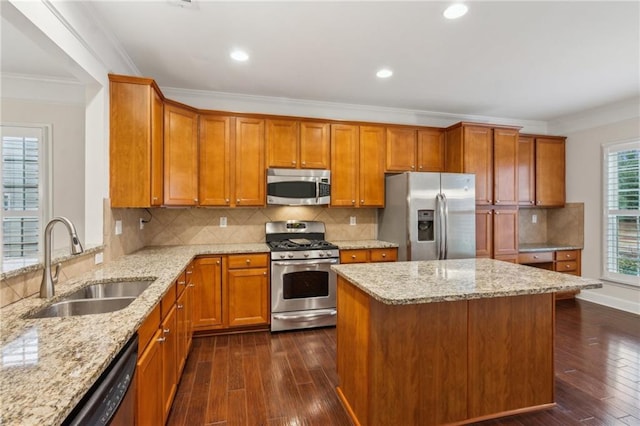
x=296 y=187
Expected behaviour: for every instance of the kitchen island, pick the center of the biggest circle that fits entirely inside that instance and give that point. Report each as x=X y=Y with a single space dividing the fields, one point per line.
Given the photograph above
x=446 y=342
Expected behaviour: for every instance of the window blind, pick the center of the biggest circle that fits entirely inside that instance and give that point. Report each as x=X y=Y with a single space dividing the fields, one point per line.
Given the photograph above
x=22 y=174
x=622 y=212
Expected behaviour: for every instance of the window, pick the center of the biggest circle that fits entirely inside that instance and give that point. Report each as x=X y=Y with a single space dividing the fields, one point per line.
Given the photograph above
x=24 y=188
x=622 y=212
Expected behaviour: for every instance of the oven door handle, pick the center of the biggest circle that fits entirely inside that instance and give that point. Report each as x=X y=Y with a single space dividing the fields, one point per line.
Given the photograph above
x=306 y=262
x=307 y=317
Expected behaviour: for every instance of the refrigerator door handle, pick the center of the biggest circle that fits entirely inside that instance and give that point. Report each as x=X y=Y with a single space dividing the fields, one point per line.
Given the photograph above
x=445 y=215
x=440 y=220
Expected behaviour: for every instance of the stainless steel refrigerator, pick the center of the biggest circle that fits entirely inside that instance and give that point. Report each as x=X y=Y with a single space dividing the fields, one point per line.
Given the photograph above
x=430 y=215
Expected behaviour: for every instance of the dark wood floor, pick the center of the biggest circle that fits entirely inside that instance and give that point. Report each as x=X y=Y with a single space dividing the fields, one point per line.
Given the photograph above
x=289 y=378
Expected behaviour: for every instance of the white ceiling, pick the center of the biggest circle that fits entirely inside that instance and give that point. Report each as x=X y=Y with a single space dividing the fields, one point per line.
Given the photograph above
x=526 y=60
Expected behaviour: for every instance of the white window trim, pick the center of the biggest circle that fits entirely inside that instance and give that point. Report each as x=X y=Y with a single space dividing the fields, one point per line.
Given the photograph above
x=46 y=188
x=608 y=148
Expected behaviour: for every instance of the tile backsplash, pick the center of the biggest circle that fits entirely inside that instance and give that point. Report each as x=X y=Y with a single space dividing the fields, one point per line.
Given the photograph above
x=555 y=226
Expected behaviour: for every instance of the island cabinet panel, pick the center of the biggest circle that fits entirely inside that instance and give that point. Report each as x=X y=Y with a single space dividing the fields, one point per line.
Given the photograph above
x=352 y=360
x=510 y=361
x=424 y=383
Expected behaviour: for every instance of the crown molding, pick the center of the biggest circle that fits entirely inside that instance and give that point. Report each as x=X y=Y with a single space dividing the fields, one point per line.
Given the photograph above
x=595 y=117
x=42 y=89
x=235 y=102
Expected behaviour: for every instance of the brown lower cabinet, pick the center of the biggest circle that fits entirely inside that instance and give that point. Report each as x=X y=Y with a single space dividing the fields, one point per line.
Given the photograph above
x=164 y=342
x=565 y=261
x=369 y=255
x=231 y=292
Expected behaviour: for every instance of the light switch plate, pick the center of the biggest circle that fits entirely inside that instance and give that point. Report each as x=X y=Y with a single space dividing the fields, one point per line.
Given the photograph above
x=534 y=218
x=99 y=258
x=223 y=222
x=352 y=220
x=141 y=223
x=118 y=227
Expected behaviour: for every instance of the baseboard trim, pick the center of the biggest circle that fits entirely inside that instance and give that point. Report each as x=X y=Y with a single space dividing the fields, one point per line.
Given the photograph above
x=612 y=302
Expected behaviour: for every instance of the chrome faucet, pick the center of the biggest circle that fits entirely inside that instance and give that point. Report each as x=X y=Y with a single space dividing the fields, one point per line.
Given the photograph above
x=48 y=280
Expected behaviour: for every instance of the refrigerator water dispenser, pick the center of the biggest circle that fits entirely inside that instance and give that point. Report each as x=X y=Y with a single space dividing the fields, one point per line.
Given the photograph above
x=425 y=225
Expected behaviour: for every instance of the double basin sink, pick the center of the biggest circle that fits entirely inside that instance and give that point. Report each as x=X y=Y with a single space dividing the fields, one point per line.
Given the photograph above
x=98 y=298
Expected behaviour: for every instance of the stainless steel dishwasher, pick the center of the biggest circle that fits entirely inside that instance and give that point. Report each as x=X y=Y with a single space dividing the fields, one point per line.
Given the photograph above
x=111 y=400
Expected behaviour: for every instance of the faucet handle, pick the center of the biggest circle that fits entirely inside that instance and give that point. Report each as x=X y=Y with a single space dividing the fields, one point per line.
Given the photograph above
x=54 y=278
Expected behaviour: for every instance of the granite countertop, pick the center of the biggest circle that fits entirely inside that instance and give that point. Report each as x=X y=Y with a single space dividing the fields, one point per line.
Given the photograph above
x=48 y=364
x=58 y=255
x=363 y=244
x=403 y=283
x=538 y=247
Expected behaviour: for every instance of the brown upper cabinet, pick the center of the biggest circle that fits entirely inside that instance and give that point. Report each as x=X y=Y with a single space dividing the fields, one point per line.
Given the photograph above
x=297 y=144
x=541 y=168
x=180 y=155
x=232 y=171
x=357 y=166
x=491 y=153
x=136 y=142
x=410 y=149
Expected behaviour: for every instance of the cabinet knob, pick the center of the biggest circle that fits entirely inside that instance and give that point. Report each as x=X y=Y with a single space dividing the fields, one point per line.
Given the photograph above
x=497 y=201
x=179 y=306
x=195 y=200
x=567 y=266
x=362 y=202
x=182 y=282
x=238 y=201
x=353 y=202
x=567 y=255
x=539 y=202
x=155 y=198
x=420 y=167
x=189 y=272
x=248 y=261
x=413 y=167
x=226 y=200
x=384 y=254
x=217 y=262
x=191 y=285
x=497 y=213
x=535 y=257
x=264 y=273
x=161 y=339
x=293 y=162
x=353 y=256
x=304 y=163
x=530 y=201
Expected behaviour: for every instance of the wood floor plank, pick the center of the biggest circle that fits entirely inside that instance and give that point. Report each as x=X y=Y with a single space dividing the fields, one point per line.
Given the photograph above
x=289 y=378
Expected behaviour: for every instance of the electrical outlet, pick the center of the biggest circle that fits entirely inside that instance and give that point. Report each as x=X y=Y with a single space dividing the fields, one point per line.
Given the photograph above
x=118 y=227
x=352 y=220
x=99 y=258
x=141 y=223
x=223 y=222
x=534 y=218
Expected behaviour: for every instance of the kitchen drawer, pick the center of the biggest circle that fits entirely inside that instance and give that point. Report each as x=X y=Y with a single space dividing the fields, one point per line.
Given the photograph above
x=242 y=261
x=384 y=255
x=536 y=257
x=169 y=300
x=148 y=328
x=354 y=256
x=568 y=266
x=566 y=255
x=181 y=283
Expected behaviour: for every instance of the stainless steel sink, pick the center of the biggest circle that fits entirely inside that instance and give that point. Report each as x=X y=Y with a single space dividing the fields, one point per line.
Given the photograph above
x=98 y=298
x=83 y=307
x=110 y=289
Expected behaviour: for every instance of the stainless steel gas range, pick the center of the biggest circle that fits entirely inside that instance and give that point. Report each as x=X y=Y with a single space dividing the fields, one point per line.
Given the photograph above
x=303 y=286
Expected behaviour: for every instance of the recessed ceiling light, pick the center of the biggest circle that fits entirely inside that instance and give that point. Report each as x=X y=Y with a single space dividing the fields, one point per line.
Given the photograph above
x=239 y=55
x=384 y=73
x=455 y=11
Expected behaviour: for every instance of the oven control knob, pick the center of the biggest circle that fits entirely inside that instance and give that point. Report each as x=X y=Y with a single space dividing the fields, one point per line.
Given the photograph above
x=289 y=255
x=282 y=256
x=306 y=255
x=321 y=254
x=328 y=254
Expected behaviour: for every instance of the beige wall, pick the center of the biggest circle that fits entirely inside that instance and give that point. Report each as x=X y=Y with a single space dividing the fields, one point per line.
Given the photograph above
x=584 y=184
x=67 y=127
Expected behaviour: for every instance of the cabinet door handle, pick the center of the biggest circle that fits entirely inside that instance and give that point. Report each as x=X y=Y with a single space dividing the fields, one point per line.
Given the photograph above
x=191 y=285
x=161 y=339
x=179 y=306
x=166 y=331
x=189 y=272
